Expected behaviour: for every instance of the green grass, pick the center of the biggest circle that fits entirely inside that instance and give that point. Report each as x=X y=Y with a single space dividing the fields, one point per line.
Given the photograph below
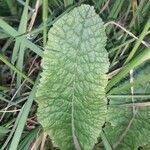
x=21 y=52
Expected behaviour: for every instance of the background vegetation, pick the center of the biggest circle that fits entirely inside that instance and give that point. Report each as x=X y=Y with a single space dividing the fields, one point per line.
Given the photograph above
x=23 y=35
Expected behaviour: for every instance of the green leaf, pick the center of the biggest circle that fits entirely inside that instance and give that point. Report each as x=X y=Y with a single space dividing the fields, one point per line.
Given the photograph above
x=142 y=57
x=3 y=130
x=105 y=141
x=10 y=30
x=28 y=139
x=3 y=59
x=71 y=94
x=127 y=128
x=22 y=116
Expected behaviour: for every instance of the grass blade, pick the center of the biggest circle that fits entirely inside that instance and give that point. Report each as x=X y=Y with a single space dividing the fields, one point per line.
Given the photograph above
x=68 y=2
x=45 y=14
x=8 y=29
x=137 y=44
x=3 y=59
x=21 y=47
x=3 y=130
x=33 y=47
x=12 y=4
x=143 y=56
x=128 y=85
x=21 y=30
x=11 y=31
x=105 y=141
x=23 y=117
x=28 y=139
x=19 y=65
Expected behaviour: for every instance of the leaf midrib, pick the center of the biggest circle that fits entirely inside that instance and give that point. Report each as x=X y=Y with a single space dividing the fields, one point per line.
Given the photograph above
x=75 y=139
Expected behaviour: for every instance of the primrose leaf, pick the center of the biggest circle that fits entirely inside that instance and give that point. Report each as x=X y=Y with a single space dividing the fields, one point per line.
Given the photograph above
x=128 y=127
x=71 y=97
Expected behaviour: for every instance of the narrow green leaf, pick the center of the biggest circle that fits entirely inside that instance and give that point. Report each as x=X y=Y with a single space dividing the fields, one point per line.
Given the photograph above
x=44 y=16
x=3 y=35
x=3 y=59
x=126 y=86
x=33 y=47
x=121 y=45
x=2 y=98
x=7 y=44
x=138 y=42
x=12 y=4
x=117 y=5
x=19 y=47
x=19 y=65
x=105 y=141
x=21 y=30
x=3 y=130
x=15 y=50
x=127 y=125
x=68 y=2
x=23 y=117
x=24 y=19
x=143 y=56
x=8 y=29
x=71 y=95
x=3 y=88
x=11 y=31
x=6 y=143
x=28 y=139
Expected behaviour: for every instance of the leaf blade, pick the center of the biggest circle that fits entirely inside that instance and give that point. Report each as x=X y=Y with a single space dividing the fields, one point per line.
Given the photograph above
x=75 y=63
x=127 y=127
x=142 y=57
x=23 y=114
